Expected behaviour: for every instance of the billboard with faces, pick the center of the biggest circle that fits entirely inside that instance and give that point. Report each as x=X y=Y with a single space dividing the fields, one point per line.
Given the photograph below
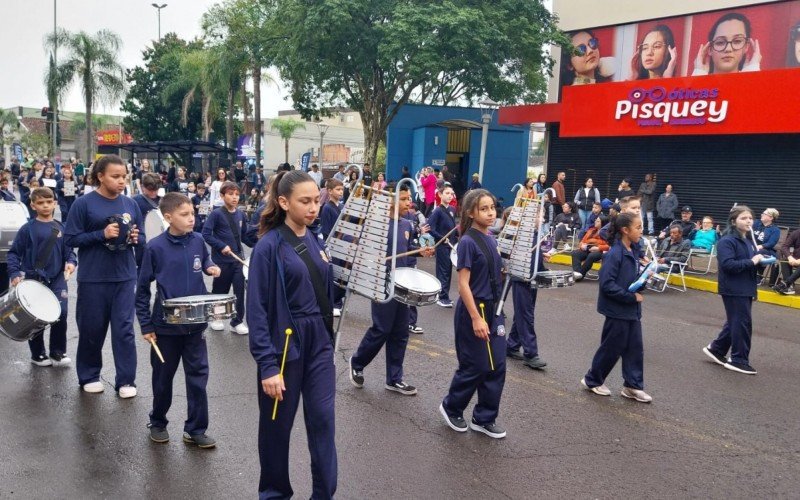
x=748 y=39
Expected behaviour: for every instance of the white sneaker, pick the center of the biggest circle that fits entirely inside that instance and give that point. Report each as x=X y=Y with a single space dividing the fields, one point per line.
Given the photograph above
x=600 y=390
x=241 y=329
x=337 y=312
x=636 y=394
x=127 y=391
x=578 y=276
x=217 y=326
x=93 y=387
x=566 y=248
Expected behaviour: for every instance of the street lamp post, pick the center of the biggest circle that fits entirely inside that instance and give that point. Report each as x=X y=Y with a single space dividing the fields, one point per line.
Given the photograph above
x=487 y=107
x=159 y=7
x=322 y=130
x=55 y=65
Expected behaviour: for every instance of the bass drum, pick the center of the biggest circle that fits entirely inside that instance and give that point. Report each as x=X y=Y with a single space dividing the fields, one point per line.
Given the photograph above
x=13 y=215
x=154 y=224
x=27 y=309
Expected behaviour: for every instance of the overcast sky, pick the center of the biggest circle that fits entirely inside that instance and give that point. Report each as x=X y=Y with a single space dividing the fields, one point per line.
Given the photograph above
x=23 y=59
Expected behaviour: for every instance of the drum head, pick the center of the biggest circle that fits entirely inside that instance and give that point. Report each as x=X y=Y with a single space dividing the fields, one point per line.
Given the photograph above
x=13 y=214
x=38 y=300
x=198 y=299
x=154 y=224
x=414 y=279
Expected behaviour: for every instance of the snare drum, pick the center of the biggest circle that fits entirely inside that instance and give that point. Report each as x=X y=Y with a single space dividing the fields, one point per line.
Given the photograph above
x=553 y=279
x=13 y=215
x=27 y=309
x=196 y=309
x=414 y=287
x=154 y=224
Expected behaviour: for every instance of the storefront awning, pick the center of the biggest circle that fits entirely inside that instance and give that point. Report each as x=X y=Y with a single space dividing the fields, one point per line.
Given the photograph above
x=530 y=113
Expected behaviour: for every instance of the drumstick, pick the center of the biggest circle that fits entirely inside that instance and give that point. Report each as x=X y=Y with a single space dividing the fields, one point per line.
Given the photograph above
x=488 y=343
x=158 y=351
x=283 y=364
x=245 y=264
x=421 y=249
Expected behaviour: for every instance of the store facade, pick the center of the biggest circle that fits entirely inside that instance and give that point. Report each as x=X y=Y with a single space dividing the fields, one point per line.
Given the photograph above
x=707 y=101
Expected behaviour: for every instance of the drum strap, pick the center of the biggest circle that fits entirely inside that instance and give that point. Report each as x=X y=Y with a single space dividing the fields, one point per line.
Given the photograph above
x=47 y=249
x=320 y=290
x=236 y=233
x=476 y=237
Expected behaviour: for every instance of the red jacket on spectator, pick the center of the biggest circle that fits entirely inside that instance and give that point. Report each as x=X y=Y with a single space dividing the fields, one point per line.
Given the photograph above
x=559 y=188
x=592 y=238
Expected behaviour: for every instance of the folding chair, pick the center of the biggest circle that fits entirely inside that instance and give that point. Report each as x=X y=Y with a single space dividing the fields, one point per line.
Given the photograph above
x=699 y=253
x=675 y=268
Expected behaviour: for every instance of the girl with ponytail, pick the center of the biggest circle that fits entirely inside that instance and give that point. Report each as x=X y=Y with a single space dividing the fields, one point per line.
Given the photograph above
x=290 y=335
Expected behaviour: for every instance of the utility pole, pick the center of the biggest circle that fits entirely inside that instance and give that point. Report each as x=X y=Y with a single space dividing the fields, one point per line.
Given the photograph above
x=54 y=124
x=322 y=129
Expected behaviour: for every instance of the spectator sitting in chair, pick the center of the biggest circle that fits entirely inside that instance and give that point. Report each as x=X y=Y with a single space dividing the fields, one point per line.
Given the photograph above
x=597 y=210
x=590 y=249
x=705 y=235
x=673 y=249
x=767 y=233
x=565 y=224
x=790 y=268
x=685 y=223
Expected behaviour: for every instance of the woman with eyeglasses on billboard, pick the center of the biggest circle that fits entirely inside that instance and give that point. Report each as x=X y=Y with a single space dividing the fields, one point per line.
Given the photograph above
x=585 y=64
x=656 y=56
x=726 y=51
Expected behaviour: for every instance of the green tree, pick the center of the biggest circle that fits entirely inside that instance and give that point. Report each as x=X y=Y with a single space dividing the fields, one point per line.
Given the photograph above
x=92 y=61
x=286 y=128
x=79 y=125
x=8 y=123
x=376 y=55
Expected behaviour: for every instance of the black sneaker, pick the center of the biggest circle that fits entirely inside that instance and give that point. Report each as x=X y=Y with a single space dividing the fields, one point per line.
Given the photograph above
x=415 y=329
x=783 y=289
x=492 y=430
x=356 y=376
x=158 y=434
x=740 y=367
x=199 y=440
x=41 y=360
x=402 y=388
x=59 y=359
x=535 y=363
x=458 y=424
x=515 y=354
x=717 y=358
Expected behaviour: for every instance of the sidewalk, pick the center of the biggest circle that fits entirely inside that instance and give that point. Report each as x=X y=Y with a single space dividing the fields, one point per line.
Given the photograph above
x=707 y=284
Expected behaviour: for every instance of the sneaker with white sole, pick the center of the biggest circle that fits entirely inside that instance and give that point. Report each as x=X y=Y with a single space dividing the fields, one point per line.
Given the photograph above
x=356 y=376
x=217 y=326
x=41 y=360
x=402 y=388
x=446 y=303
x=93 y=387
x=415 y=329
x=199 y=440
x=716 y=358
x=337 y=312
x=458 y=424
x=578 y=276
x=127 y=391
x=600 y=390
x=59 y=359
x=636 y=394
x=241 y=329
x=492 y=429
x=740 y=367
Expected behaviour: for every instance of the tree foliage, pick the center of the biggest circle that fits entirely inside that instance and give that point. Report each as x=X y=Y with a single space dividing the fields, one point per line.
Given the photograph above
x=286 y=129
x=149 y=115
x=374 y=56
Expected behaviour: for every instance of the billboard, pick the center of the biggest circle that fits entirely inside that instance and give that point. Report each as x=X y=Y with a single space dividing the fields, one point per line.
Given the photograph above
x=748 y=39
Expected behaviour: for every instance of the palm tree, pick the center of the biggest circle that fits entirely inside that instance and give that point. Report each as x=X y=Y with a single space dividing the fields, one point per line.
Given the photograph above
x=7 y=120
x=286 y=129
x=199 y=78
x=92 y=61
x=79 y=125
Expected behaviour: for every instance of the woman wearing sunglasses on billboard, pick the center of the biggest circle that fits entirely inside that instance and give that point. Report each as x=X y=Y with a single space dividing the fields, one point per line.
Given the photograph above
x=730 y=48
x=793 y=48
x=656 y=56
x=585 y=64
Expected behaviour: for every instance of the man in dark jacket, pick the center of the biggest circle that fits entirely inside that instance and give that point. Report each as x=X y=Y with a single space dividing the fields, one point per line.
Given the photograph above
x=685 y=223
x=646 y=194
x=790 y=268
x=673 y=249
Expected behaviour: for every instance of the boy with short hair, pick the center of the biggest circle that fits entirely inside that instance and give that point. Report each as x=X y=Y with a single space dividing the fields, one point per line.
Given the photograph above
x=202 y=206
x=225 y=231
x=176 y=259
x=39 y=253
x=5 y=193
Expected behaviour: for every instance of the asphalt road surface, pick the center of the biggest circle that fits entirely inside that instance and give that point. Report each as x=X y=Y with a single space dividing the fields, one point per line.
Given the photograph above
x=709 y=432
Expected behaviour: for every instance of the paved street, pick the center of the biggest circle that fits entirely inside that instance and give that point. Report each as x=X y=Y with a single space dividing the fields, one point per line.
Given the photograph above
x=708 y=433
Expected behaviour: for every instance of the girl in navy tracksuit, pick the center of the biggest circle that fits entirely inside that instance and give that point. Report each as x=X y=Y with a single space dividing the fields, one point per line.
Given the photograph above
x=390 y=320
x=478 y=331
x=523 y=333
x=738 y=262
x=103 y=226
x=280 y=296
x=225 y=231
x=441 y=221
x=176 y=260
x=27 y=260
x=622 y=330
x=65 y=201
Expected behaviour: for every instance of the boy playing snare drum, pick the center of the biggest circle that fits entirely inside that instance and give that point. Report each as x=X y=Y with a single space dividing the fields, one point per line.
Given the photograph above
x=175 y=260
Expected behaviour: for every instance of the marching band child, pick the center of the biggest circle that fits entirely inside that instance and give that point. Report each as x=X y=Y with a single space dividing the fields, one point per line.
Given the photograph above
x=103 y=226
x=479 y=332
x=441 y=221
x=622 y=330
x=738 y=261
x=291 y=338
x=39 y=253
x=330 y=213
x=175 y=260
x=225 y=231
x=202 y=206
x=389 y=321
